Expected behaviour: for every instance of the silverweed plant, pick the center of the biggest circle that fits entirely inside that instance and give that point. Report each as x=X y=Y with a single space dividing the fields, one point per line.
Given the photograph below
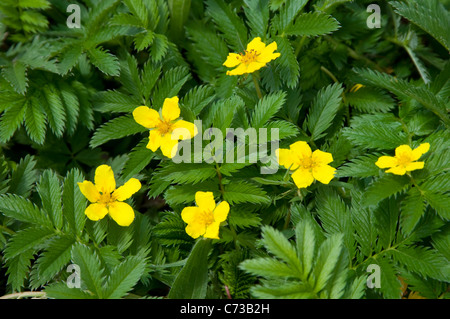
x=214 y=149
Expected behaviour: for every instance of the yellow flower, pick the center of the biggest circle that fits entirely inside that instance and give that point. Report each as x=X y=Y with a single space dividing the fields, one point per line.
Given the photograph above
x=356 y=87
x=404 y=160
x=105 y=198
x=162 y=133
x=205 y=218
x=254 y=58
x=307 y=166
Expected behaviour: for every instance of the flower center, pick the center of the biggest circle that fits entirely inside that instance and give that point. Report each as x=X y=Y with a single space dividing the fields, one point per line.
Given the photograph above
x=206 y=217
x=106 y=199
x=404 y=159
x=164 y=127
x=249 y=56
x=307 y=163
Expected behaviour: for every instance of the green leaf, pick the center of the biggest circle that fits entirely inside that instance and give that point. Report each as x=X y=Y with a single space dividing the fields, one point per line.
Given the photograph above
x=22 y=209
x=370 y=100
x=287 y=63
x=104 y=61
x=54 y=108
x=90 y=268
x=268 y=267
x=266 y=108
x=276 y=243
x=384 y=187
x=49 y=190
x=413 y=208
x=11 y=120
x=35 y=121
x=16 y=75
x=18 y=269
x=361 y=166
x=257 y=13
x=312 y=24
x=327 y=259
x=380 y=131
x=118 y=127
x=243 y=192
x=74 y=202
x=52 y=260
x=123 y=277
x=26 y=239
x=324 y=109
x=23 y=177
x=60 y=290
x=170 y=85
x=306 y=245
x=424 y=261
x=192 y=280
x=430 y=15
x=228 y=23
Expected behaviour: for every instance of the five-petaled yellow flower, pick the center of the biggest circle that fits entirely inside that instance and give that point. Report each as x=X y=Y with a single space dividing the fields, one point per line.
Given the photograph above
x=205 y=218
x=404 y=160
x=254 y=58
x=165 y=131
x=307 y=165
x=106 y=199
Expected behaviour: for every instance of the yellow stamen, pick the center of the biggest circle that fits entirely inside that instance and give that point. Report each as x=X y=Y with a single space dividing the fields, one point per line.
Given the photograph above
x=164 y=127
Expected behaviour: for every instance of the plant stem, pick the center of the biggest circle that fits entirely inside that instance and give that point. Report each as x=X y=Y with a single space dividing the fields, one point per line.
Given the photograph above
x=219 y=175
x=7 y=230
x=20 y=295
x=299 y=45
x=328 y=72
x=258 y=89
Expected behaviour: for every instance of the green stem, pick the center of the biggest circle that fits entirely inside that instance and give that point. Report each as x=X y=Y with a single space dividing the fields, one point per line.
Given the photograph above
x=328 y=72
x=258 y=89
x=219 y=175
x=299 y=45
x=7 y=230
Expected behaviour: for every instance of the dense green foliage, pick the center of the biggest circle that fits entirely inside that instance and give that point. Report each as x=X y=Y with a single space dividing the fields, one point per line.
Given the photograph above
x=66 y=102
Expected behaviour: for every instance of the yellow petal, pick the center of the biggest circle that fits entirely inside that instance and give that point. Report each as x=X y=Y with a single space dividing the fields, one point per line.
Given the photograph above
x=414 y=165
x=89 y=191
x=233 y=59
x=195 y=230
x=221 y=212
x=323 y=173
x=190 y=214
x=104 y=179
x=127 y=190
x=397 y=170
x=146 y=116
x=321 y=158
x=170 y=109
x=122 y=213
x=241 y=69
x=96 y=211
x=212 y=230
x=301 y=149
x=267 y=54
x=420 y=150
x=154 y=140
x=403 y=151
x=302 y=178
x=253 y=66
x=205 y=200
x=286 y=158
x=169 y=147
x=386 y=161
x=181 y=124
x=256 y=44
